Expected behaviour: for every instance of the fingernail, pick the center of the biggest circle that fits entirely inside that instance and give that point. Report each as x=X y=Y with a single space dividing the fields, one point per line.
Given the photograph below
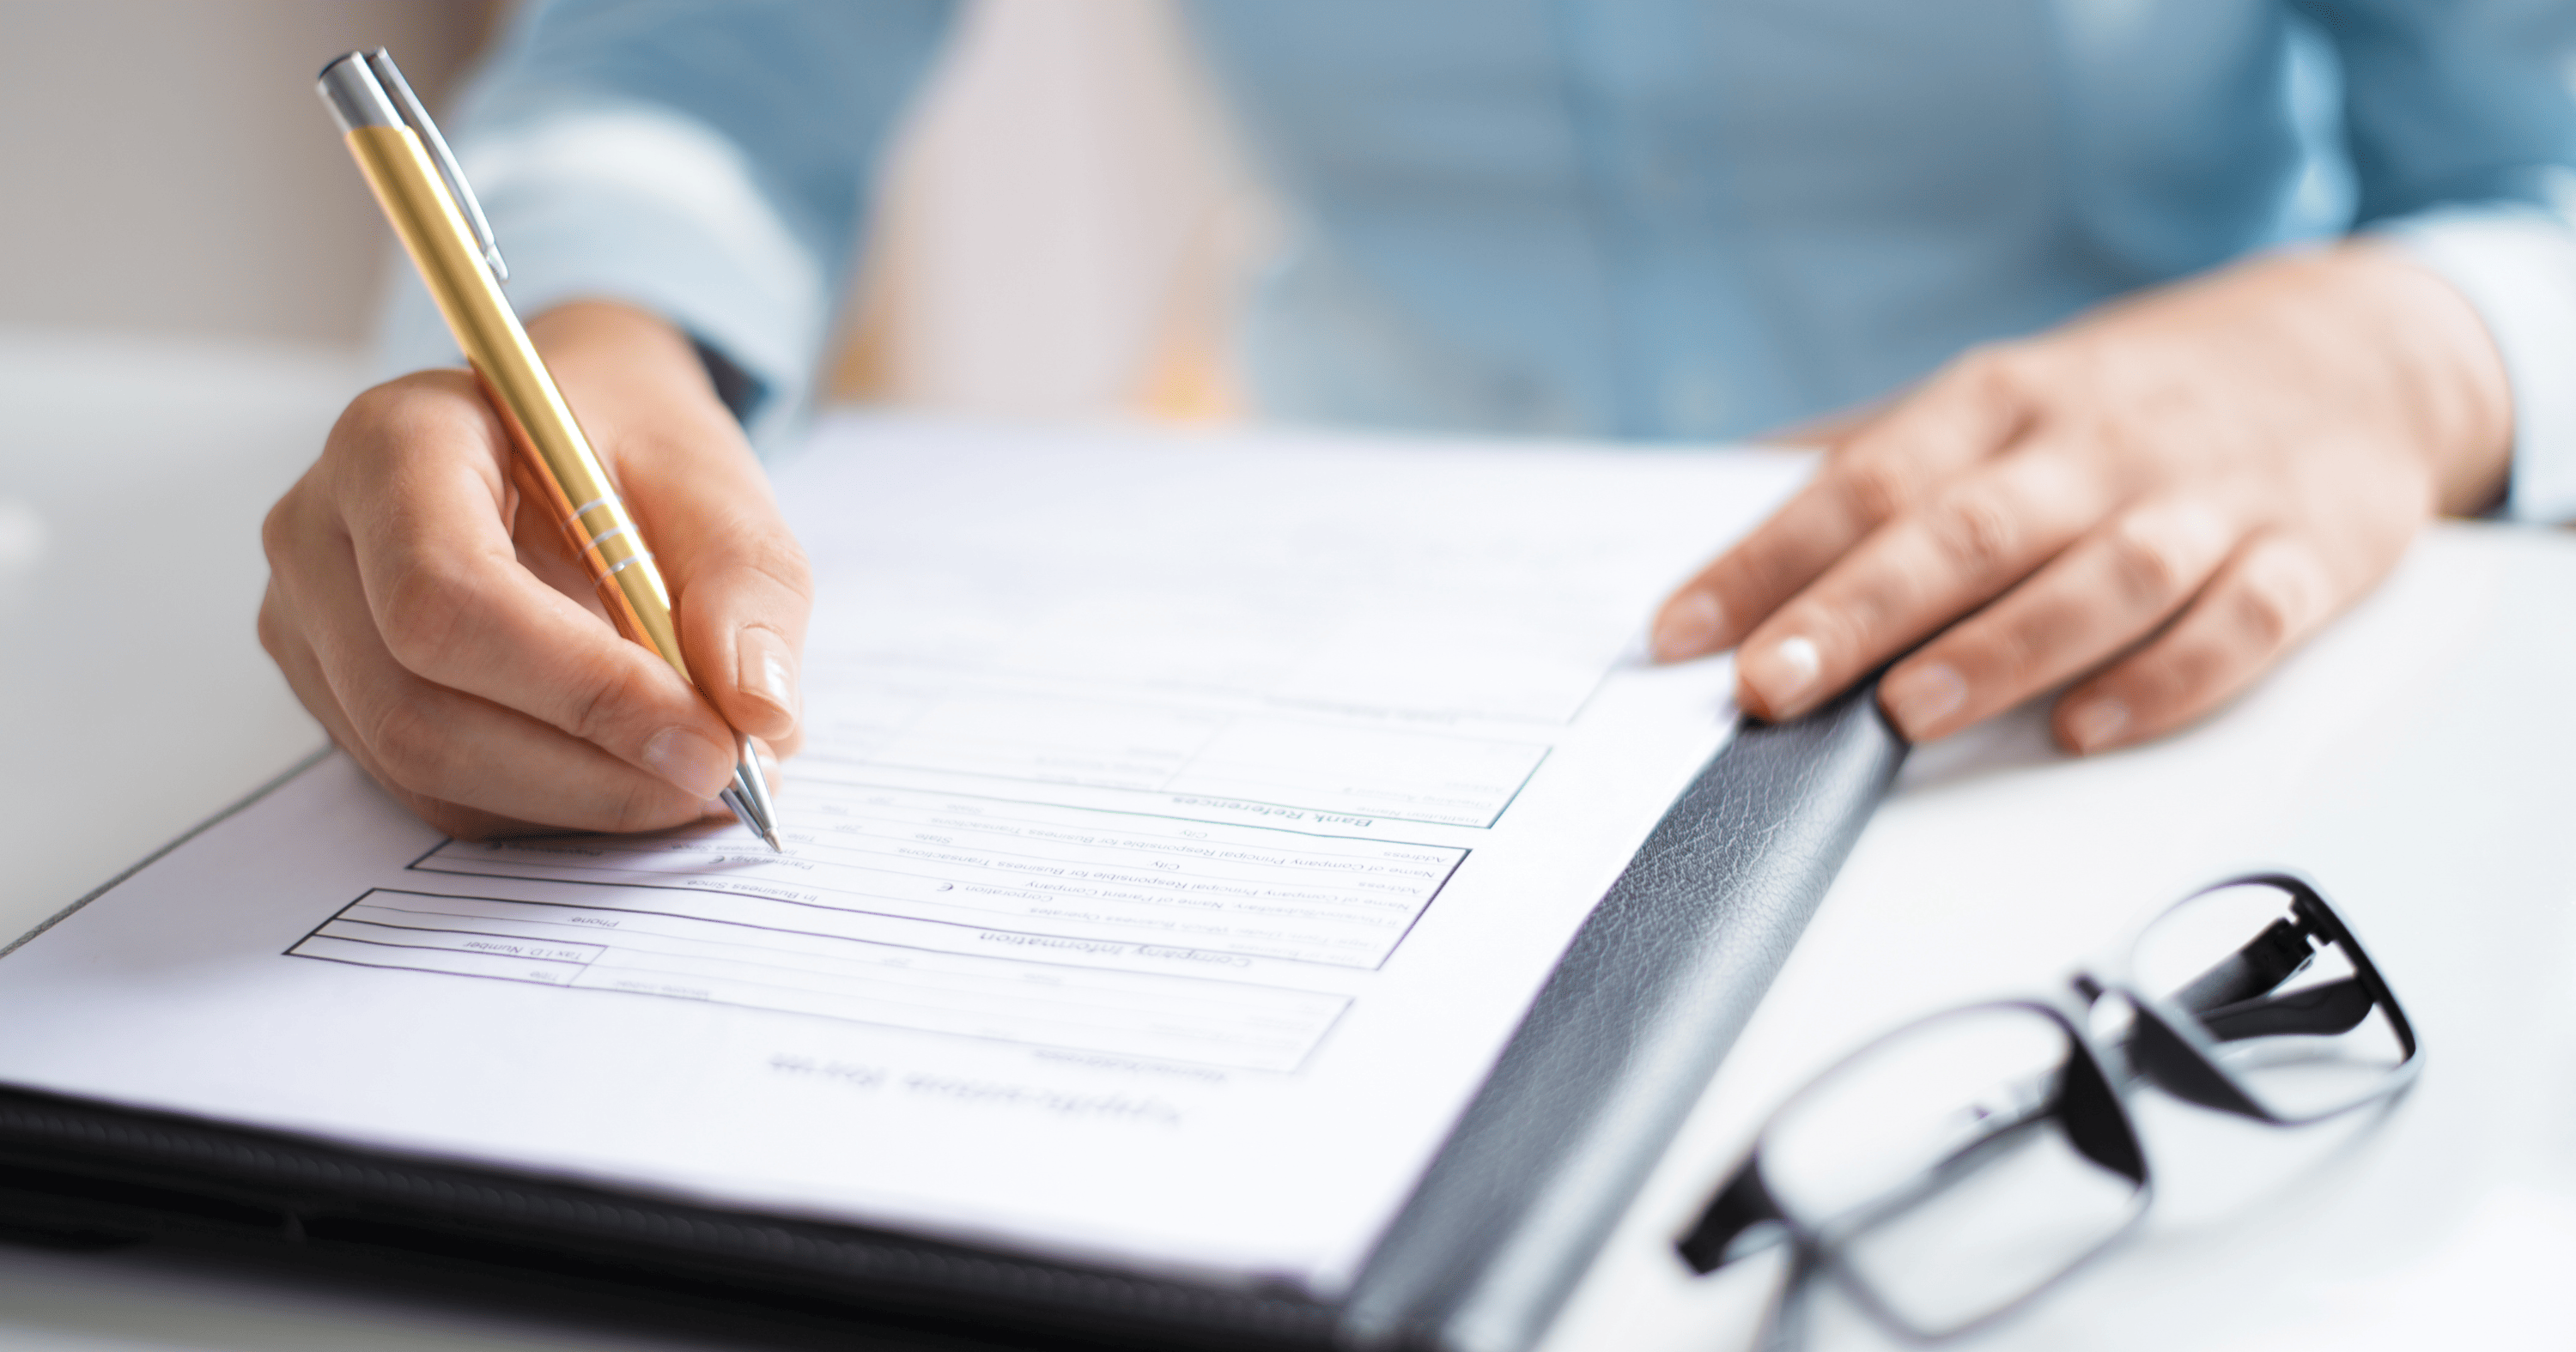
x=1689 y=627
x=2096 y=723
x=1783 y=673
x=689 y=760
x=1921 y=698
x=768 y=671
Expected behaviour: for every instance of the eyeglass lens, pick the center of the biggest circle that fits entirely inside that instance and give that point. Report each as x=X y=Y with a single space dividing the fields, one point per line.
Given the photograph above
x=2286 y=1008
x=1951 y=1170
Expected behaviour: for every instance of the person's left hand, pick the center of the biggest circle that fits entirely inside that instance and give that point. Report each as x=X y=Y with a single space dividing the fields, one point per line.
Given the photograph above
x=2169 y=493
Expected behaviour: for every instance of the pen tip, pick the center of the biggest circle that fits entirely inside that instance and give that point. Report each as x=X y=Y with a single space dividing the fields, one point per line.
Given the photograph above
x=772 y=837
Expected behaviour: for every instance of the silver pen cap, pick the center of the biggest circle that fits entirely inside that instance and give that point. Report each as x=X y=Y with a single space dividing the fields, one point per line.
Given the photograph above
x=366 y=89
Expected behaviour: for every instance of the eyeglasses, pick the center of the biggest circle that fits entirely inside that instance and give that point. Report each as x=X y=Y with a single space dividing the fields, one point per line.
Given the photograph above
x=1950 y=1171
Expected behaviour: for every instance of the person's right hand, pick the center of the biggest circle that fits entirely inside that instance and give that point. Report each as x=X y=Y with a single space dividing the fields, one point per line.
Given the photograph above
x=433 y=617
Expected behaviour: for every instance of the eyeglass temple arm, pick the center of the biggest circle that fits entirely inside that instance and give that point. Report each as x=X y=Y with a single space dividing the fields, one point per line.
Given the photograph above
x=2233 y=999
x=2231 y=1002
x=2272 y=957
x=1738 y=1207
x=2335 y=1007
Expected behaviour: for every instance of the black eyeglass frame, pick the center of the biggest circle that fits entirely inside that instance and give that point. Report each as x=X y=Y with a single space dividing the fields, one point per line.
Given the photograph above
x=2169 y=1042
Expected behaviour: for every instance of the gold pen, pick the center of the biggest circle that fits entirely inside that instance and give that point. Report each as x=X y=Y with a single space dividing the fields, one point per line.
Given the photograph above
x=442 y=227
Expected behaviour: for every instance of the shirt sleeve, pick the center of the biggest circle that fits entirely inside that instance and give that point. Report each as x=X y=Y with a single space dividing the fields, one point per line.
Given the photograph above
x=2462 y=130
x=709 y=160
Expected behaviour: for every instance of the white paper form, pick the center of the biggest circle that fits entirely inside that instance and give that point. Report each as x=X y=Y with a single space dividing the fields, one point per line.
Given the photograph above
x=1185 y=825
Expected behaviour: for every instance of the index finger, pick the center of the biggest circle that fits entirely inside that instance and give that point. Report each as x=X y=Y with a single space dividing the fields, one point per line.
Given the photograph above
x=1975 y=541
x=443 y=582
x=740 y=585
x=1961 y=417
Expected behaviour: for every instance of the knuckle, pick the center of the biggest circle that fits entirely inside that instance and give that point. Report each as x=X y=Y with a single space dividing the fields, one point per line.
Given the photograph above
x=1759 y=576
x=2147 y=566
x=603 y=704
x=2146 y=686
x=2266 y=612
x=1762 y=571
x=2178 y=673
x=389 y=421
x=643 y=806
x=408 y=742
x=2000 y=371
x=2276 y=596
x=1874 y=606
x=378 y=415
x=1876 y=487
x=777 y=556
x=295 y=524
x=1982 y=365
x=1852 y=620
x=375 y=405
x=277 y=530
x=2018 y=651
x=272 y=626
x=1976 y=533
x=425 y=602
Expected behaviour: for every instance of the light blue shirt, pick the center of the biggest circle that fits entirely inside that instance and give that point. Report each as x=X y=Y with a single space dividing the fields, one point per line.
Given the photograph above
x=1658 y=219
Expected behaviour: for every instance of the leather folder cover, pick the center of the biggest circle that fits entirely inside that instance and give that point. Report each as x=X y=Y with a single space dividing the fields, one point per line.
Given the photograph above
x=1615 y=1050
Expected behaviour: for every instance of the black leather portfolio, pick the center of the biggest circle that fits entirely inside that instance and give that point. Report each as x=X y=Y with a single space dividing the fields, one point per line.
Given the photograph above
x=1613 y=1053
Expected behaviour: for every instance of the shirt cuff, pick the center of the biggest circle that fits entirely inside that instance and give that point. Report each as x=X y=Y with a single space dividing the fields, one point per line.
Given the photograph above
x=2516 y=264
x=636 y=203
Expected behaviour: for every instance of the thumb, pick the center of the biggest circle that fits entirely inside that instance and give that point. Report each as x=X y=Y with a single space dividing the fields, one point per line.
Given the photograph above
x=741 y=587
x=741 y=596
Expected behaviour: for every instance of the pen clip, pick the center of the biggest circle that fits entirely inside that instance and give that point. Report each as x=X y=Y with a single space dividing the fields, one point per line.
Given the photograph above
x=391 y=77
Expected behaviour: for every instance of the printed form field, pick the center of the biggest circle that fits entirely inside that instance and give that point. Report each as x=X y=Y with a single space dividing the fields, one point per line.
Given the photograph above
x=1114 y=932
x=973 y=863
x=1051 y=738
x=813 y=971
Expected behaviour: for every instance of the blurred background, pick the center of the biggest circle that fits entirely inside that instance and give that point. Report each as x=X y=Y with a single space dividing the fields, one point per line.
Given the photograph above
x=168 y=177
x=173 y=176
x=190 y=267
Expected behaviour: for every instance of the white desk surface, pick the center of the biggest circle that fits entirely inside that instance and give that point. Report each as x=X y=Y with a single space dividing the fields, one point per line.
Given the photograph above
x=2419 y=759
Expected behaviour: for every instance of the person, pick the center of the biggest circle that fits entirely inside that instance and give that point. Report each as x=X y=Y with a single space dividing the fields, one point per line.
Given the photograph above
x=2157 y=331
